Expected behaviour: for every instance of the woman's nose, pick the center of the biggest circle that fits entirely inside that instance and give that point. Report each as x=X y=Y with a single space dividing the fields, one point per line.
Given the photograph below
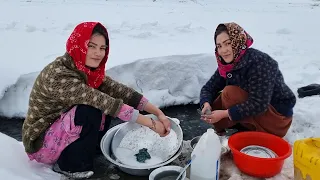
x=98 y=52
x=224 y=49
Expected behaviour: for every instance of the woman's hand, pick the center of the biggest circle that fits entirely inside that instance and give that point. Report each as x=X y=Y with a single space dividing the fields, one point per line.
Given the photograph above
x=215 y=116
x=158 y=127
x=206 y=108
x=155 y=125
x=165 y=121
x=150 y=108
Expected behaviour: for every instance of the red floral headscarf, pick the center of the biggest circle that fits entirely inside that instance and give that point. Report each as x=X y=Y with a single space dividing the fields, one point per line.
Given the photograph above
x=77 y=46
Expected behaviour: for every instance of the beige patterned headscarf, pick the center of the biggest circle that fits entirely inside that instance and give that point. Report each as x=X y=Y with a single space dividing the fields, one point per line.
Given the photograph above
x=240 y=42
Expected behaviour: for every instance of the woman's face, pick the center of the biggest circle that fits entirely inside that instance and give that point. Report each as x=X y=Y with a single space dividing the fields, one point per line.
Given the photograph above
x=224 y=47
x=96 y=50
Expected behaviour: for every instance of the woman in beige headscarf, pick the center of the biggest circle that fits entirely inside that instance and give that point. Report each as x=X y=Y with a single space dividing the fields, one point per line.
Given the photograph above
x=254 y=94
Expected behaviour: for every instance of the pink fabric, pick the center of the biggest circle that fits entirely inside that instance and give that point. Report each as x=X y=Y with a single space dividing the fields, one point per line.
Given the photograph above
x=224 y=68
x=142 y=103
x=61 y=133
x=126 y=112
x=103 y=121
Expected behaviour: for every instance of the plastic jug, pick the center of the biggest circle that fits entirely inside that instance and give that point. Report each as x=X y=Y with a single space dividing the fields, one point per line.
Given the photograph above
x=306 y=158
x=206 y=165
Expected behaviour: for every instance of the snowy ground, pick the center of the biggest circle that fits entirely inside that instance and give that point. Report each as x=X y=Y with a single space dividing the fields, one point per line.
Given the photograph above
x=166 y=46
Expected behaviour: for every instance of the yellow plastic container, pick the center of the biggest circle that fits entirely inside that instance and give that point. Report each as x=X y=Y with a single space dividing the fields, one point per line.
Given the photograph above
x=306 y=158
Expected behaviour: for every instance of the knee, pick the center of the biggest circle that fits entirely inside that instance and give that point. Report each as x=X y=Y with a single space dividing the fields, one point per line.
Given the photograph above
x=87 y=109
x=234 y=94
x=87 y=114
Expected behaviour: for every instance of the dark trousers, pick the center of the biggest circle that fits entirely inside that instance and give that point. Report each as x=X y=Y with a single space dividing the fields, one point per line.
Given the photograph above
x=79 y=155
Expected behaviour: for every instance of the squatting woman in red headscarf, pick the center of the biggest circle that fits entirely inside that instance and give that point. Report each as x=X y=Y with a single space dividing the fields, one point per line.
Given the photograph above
x=72 y=102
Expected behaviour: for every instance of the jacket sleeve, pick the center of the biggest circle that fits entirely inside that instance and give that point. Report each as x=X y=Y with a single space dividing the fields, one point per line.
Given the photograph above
x=210 y=90
x=121 y=91
x=261 y=82
x=70 y=90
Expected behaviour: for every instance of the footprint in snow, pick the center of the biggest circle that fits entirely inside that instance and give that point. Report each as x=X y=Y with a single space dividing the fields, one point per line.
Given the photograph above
x=149 y=25
x=12 y=25
x=69 y=26
x=143 y=35
x=30 y=28
x=283 y=31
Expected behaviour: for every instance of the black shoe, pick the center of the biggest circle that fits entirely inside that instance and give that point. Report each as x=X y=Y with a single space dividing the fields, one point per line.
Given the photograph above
x=310 y=90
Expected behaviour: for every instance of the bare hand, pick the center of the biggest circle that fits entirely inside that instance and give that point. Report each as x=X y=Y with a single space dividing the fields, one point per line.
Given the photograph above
x=159 y=128
x=165 y=121
x=206 y=108
x=215 y=116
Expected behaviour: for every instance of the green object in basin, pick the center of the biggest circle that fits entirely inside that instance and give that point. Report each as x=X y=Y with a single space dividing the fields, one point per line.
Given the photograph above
x=143 y=155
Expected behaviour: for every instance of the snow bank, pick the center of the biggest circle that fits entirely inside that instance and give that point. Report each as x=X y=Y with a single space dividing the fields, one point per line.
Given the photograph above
x=15 y=165
x=166 y=81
